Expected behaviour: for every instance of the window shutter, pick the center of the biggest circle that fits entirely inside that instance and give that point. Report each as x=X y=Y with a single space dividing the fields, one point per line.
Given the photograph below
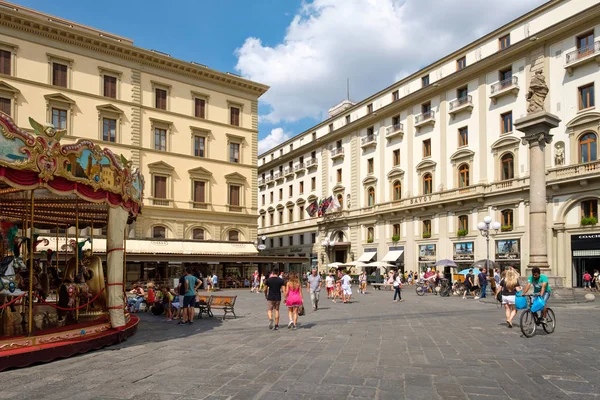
x=160 y=187
x=161 y=99
x=200 y=108
x=5 y=62
x=5 y=105
x=235 y=116
x=110 y=86
x=234 y=195
x=59 y=75
x=199 y=192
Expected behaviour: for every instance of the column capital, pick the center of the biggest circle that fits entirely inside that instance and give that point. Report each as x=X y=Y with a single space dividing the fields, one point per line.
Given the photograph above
x=536 y=128
x=537 y=139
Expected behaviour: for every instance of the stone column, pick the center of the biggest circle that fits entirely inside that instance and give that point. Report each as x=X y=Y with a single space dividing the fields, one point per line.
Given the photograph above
x=536 y=128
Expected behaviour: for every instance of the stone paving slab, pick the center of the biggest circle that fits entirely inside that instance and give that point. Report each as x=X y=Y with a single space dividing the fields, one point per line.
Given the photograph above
x=424 y=348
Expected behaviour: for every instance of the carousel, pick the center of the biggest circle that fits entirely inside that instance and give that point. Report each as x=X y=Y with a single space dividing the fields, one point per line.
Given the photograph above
x=63 y=300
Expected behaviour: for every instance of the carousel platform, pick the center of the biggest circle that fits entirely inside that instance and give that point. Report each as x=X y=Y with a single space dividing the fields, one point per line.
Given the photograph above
x=62 y=341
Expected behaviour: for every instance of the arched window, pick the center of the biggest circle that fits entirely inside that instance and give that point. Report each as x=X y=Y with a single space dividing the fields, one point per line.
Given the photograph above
x=463 y=175
x=463 y=223
x=427 y=228
x=340 y=236
x=427 y=184
x=159 y=232
x=397 y=190
x=370 y=234
x=198 y=233
x=507 y=220
x=340 y=199
x=234 y=236
x=371 y=196
x=589 y=209
x=396 y=230
x=587 y=148
x=508 y=166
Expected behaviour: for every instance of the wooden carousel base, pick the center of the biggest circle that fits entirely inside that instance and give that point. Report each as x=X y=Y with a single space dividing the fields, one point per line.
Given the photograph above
x=62 y=342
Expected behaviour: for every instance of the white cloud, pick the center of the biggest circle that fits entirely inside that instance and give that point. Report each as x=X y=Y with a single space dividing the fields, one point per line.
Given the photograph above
x=372 y=42
x=277 y=136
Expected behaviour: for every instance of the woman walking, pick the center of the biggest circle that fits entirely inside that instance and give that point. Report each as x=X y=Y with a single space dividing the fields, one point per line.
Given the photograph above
x=397 y=287
x=510 y=286
x=293 y=295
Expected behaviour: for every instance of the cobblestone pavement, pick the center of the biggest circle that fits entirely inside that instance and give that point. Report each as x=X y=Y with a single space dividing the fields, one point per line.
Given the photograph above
x=424 y=348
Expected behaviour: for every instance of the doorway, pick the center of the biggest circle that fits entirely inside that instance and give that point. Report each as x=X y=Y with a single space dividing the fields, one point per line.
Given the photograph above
x=581 y=265
x=340 y=256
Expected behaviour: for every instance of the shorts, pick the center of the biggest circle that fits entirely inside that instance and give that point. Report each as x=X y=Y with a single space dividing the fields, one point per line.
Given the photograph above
x=586 y=284
x=508 y=299
x=273 y=305
x=546 y=297
x=330 y=289
x=189 y=301
x=347 y=290
x=176 y=305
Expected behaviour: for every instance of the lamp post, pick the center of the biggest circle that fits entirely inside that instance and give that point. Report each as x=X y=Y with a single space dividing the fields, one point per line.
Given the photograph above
x=327 y=244
x=485 y=228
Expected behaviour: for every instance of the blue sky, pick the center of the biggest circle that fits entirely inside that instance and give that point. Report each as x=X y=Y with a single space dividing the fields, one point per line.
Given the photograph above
x=304 y=50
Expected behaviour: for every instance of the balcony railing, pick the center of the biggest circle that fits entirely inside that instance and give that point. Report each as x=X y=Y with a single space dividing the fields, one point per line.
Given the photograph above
x=199 y=205
x=269 y=178
x=508 y=83
x=394 y=130
x=575 y=170
x=299 y=167
x=161 y=202
x=582 y=52
x=277 y=175
x=313 y=162
x=369 y=139
x=288 y=171
x=337 y=152
x=424 y=117
x=462 y=101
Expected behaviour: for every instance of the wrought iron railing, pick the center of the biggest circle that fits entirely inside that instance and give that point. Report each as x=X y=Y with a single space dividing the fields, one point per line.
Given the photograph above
x=368 y=139
x=311 y=163
x=461 y=101
x=299 y=167
x=582 y=52
x=426 y=116
x=394 y=128
x=338 y=151
x=513 y=81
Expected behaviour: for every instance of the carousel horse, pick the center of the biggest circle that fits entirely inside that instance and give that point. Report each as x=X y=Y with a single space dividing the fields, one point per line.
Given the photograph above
x=85 y=280
x=9 y=266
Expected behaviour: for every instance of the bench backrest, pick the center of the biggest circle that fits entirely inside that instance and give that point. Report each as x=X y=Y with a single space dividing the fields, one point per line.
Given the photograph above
x=223 y=300
x=205 y=299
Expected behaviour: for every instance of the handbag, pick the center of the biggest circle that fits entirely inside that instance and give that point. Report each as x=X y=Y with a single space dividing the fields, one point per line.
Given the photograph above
x=301 y=310
x=538 y=304
x=499 y=296
x=520 y=301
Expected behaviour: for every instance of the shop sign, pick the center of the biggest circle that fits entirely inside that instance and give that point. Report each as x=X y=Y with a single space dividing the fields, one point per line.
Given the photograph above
x=588 y=241
x=159 y=243
x=463 y=251
x=427 y=253
x=420 y=199
x=295 y=250
x=507 y=249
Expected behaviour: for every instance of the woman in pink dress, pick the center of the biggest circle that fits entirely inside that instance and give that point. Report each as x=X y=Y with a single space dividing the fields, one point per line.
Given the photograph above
x=293 y=295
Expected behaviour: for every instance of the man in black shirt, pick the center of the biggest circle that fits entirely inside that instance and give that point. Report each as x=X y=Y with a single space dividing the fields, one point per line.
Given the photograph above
x=273 y=294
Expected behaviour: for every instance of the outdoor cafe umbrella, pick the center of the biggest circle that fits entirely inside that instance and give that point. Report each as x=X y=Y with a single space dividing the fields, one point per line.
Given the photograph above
x=379 y=264
x=483 y=263
x=336 y=265
x=466 y=271
x=446 y=263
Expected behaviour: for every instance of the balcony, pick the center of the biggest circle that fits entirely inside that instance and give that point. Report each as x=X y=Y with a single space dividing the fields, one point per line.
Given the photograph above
x=368 y=141
x=582 y=56
x=464 y=103
x=396 y=130
x=278 y=176
x=161 y=202
x=199 y=205
x=300 y=167
x=312 y=163
x=269 y=178
x=505 y=87
x=338 y=152
x=583 y=170
x=262 y=182
x=288 y=171
x=426 y=118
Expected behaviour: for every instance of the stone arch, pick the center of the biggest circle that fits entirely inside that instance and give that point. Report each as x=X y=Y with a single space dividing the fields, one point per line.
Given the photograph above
x=189 y=233
x=561 y=215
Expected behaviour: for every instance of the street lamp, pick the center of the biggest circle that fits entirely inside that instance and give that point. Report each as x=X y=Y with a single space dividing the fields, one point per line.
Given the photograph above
x=485 y=228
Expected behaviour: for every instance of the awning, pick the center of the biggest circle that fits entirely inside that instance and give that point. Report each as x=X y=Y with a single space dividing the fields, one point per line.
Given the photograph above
x=393 y=256
x=366 y=257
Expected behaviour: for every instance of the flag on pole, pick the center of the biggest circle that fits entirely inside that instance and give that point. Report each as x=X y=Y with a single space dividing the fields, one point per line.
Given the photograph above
x=325 y=206
x=312 y=208
x=335 y=205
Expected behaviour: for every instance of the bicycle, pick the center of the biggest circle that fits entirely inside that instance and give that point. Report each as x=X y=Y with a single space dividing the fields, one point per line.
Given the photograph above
x=445 y=288
x=530 y=320
x=424 y=287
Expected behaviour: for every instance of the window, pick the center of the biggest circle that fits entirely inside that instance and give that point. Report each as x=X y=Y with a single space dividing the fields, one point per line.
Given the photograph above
x=330 y=127
x=461 y=63
x=199 y=192
x=585 y=44
x=370 y=166
x=159 y=232
x=291 y=190
x=589 y=208
x=463 y=136
x=313 y=238
x=110 y=86
x=586 y=96
x=396 y=122
x=291 y=147
x=281 y=217
x=463 y=223
x=338 y=144
x=463 y=176
x=160 y=139
x=5 y=62
x=426 y=108
x=504 y=42
x=271 y=219
x=395 y=95
x=160 y=98
x=507 y=220
x=313 y=154
x=397 y=190
x=59 y=118
x=301 y=211
x=5 y=105
x=199 y=108
x=508 y=170
x=506 y=122
x=280 y=152
x=109 y=130
x=339 y=175
x=340 y=199
x=427 y=148
x=425 y=81
x=234 y=195
x=280 y=194
x=280 y=242
x=370 y=234
x=427 y=184
x=370 y=197
x=290 y=240
x=314 y=136
x=263 y=199
x=301 y=238
x=396 y=230
x=370 y=131
x=59 y=74
x=198 y=233
x=290 y=215
x=160 y=189
x=200 y=146
x=396 y=157
x=427 y=228
x=462 y=93
x=234 y=118
x=369 y=108
x=587 y=148
x=234 y=152
x=347 y=119
x=234 y=236
x=313 y=183
x=505 y=75
x=301 y=188
x=271 y=196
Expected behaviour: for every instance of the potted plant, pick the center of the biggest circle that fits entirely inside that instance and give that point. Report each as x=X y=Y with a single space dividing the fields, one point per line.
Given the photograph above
x=395 y=238
x=370 y=240
x=462 y=232
x=426 y=235
x=589 y=221
x=506 y=228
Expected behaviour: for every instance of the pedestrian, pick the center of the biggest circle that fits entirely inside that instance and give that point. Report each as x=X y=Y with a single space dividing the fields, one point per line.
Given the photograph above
x=191 y=284
x=587 y=281
x=482 y=278
x=215 y=281
x=497 y=276
x=510 y=286
x=410 y=278
x=329 y=284
x=273 y=287
x=362 y=281
x=346 y=287
x=293 y=299
x=313 y=286
x=261 y=286
x=135 y=302
x=167 y=300
x=337 y=291
x=255 y=282
x=468 y=283
x=596 y=281
x=397 y=287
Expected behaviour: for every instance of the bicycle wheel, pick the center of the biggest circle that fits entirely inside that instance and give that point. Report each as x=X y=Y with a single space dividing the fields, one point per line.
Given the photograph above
x=550 y=321
x=445 y=292
x=528 y=323
x=420 y=289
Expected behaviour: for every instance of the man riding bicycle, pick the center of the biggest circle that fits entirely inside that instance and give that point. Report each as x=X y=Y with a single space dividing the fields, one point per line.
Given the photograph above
x=541 y=287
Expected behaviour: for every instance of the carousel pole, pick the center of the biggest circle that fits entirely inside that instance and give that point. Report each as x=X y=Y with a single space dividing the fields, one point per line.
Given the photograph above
x=124 y=257
x=92 y=236
x=77 y=253
x=57 y=248
x=31 y=243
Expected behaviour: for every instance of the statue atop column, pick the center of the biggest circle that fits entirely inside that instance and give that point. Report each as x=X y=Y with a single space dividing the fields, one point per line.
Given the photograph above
x=538 y=90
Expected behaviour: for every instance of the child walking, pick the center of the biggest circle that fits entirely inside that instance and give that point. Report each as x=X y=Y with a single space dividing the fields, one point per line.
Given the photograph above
x=293 y=295
x=167 y=299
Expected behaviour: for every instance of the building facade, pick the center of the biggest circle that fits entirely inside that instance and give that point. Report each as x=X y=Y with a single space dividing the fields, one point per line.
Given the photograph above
x=191 y=130
x=419 y=164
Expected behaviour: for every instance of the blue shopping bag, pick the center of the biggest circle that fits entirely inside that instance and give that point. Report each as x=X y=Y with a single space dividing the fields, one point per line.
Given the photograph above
x=520 y=301
x=538 y=304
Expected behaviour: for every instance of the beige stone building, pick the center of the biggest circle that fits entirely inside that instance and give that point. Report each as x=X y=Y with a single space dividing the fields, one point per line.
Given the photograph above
x=417 y=165
x=191 y=130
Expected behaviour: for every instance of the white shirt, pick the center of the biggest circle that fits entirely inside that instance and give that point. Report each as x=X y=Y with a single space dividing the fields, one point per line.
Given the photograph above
x=397 y=281
x=329 y=281
x=346 y=280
